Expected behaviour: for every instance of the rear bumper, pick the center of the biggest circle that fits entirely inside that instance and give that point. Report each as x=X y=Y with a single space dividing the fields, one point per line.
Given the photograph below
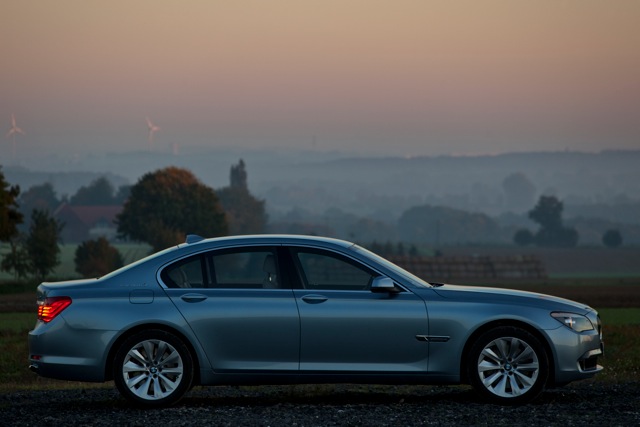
x=59 y=352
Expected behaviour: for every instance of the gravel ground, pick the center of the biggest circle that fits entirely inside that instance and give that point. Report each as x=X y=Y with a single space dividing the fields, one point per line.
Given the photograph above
x=580 y=404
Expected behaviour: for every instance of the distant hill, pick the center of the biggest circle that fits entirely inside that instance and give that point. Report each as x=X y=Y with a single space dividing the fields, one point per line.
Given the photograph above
x=378 y=187
x=65 y=183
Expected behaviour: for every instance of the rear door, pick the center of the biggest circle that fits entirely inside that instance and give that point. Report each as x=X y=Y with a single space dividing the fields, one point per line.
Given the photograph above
x=240 y=307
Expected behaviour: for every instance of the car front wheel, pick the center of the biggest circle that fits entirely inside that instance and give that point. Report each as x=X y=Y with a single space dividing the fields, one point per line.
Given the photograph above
x=153 y=368
x=508 y=365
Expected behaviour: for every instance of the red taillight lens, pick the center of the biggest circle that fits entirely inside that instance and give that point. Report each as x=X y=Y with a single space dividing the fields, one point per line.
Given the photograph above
x=51 y=307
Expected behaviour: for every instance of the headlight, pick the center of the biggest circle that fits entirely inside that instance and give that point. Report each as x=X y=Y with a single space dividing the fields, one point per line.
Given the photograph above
x=577 y=322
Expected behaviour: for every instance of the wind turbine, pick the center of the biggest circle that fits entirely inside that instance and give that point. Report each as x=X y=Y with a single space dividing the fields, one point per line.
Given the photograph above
x=152 y=130
x=12 y=133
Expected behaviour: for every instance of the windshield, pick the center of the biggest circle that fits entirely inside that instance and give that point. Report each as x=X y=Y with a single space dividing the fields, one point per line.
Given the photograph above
x=391 y=266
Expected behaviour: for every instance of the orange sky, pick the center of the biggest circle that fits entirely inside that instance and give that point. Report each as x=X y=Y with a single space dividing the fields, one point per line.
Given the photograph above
x=396 y=76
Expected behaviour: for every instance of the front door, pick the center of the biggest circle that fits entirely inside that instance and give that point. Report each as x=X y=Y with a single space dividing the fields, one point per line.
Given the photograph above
x=347 y=327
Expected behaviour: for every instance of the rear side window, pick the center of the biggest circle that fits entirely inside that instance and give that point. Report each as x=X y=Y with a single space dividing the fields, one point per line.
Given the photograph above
x=249 y=269
x=242 y=268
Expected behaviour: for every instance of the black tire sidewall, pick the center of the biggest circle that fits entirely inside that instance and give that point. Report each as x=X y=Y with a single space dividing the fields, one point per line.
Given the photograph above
x=154 y=334
x=502 y=332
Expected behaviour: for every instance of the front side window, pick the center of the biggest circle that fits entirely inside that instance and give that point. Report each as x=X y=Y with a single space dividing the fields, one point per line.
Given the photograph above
x=323 y=270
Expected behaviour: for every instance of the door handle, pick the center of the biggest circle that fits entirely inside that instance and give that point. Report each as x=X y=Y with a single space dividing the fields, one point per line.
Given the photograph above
x=314 y=299
x=193 y=297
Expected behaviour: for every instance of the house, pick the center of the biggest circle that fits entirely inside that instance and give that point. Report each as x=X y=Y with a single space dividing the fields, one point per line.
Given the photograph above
x=83 y=223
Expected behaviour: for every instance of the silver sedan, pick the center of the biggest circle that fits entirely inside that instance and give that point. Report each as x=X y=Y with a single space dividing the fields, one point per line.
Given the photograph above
x=297 y=309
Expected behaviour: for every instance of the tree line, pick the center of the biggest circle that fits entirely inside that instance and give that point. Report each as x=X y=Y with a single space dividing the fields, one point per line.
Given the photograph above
x=165 y=205
x=160 y=209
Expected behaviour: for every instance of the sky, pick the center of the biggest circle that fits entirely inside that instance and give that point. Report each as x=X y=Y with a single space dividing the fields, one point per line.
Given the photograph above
x=396 y=77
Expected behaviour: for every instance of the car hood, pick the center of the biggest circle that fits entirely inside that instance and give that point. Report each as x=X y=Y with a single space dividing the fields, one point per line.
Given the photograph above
x=509 y=296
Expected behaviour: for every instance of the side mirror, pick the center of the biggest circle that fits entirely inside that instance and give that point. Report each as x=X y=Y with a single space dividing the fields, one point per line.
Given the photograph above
x=383 y=284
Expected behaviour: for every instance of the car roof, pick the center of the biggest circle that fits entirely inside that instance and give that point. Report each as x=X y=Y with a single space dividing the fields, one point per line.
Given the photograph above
x=262 y=239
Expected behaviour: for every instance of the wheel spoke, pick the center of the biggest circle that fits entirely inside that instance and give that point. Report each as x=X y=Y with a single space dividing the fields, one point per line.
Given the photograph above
x=533 y=366
x=149 y=347
x=488 y=381
x=143 y=390
x=135 y=354
x=501 y=345
x=168 y=384
x=487 y=365
x=132 y=382
x=171 y=358
x=526 y=354
x=491 y=355
x=130 y=366
x=158 y=393
x=160 y=350
x=525 y=380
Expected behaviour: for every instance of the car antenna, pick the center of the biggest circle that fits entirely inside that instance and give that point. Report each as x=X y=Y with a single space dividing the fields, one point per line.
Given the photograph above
x=193 y=238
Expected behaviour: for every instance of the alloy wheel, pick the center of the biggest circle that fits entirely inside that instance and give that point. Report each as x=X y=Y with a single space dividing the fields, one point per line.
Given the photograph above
x=508 y=367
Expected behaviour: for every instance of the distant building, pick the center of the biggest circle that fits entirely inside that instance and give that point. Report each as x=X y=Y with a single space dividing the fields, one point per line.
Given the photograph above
x=83 y=223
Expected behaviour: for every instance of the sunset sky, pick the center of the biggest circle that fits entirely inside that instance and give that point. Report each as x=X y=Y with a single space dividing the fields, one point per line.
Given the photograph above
x=404 y=77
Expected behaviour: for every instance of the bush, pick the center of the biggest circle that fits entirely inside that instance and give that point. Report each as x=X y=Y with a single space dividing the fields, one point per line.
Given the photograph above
x=612 y=238
x=95 y=258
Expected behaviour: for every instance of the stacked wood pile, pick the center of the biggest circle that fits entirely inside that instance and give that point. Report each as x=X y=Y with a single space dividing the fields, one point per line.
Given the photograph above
x=443 y=268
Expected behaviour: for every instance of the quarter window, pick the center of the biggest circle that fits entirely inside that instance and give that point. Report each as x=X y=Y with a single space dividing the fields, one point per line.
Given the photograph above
x=186 y=273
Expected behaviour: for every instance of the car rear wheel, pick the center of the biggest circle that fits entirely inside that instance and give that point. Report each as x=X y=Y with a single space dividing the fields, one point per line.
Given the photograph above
x=508 y=365
x=153 y=368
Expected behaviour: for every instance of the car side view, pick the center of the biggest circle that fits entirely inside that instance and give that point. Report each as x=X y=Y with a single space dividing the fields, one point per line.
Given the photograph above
x=281 y=309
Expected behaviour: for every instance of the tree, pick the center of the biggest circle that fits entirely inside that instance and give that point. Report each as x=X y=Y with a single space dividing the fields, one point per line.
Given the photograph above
x=547 y=212
x=42 y=243
x=10 y=216
x=40 y=197
x=552 y=232
x=519 y=191
x=523 y=237
x=245 y=213
x=95 y=258
x=98 y=193
x=612 y=238
x=167 y=204
x=17 y=260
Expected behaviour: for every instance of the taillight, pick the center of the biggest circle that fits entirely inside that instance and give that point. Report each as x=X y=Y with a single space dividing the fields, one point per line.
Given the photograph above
x=51 y=307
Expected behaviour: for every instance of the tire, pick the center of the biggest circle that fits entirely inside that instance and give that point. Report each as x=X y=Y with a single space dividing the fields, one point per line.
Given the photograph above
x=508 y=365
x=153 y=368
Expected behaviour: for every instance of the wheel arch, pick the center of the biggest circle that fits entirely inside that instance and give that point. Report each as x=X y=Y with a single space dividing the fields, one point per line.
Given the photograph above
x=108 y=371
x=464 y=360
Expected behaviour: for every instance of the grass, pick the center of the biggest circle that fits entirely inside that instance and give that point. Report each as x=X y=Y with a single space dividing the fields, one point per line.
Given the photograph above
x=621 y=361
